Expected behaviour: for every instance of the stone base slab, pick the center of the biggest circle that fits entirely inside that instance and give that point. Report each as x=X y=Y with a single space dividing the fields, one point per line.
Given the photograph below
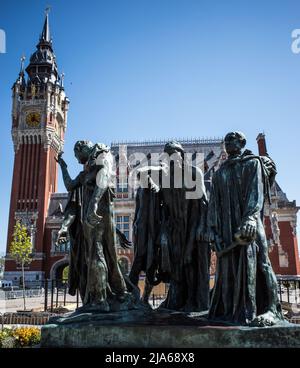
x=136 y=329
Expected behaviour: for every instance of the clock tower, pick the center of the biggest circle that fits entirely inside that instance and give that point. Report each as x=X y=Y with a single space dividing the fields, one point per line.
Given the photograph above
x=39 y=118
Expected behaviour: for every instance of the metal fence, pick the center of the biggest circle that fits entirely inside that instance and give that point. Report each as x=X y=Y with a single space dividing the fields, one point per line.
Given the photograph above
x=16 y=294
x=52 y=295
x=289 y=289
x=47 y=295
x=57 y=295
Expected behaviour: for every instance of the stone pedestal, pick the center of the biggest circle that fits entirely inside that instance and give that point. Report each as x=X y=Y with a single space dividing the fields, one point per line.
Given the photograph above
x=161 y=329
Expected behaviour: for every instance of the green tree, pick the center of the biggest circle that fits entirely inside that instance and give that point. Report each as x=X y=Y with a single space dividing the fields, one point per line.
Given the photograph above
x=20 y=250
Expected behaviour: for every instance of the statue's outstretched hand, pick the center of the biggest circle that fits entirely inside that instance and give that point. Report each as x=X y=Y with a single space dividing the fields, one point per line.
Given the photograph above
x=60 y=160
x=62 y=236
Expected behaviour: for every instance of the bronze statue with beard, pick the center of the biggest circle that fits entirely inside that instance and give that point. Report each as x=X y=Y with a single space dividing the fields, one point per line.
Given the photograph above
x=245 y=290
x=183 y=229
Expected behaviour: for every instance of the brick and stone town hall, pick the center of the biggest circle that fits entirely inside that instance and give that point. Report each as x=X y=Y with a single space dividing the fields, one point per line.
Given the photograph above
x=39 y=120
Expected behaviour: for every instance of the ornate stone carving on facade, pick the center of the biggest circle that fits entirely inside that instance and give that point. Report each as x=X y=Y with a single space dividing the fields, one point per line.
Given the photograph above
x=275 y=227
x=282 y=255
x=294 y=225
x=51 y=139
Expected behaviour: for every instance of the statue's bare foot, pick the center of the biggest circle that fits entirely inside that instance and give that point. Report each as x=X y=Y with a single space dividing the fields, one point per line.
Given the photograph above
x=265 y=320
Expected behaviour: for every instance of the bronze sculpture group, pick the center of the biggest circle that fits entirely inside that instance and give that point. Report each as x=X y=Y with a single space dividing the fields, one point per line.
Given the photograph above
x=174 y=234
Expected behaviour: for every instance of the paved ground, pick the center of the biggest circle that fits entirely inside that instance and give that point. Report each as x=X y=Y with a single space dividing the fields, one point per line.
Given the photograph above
x=36 y=303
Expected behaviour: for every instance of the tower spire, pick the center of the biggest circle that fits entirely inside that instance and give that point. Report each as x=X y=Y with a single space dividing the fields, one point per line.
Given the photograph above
x=45 y=36
x=62 y=77
x=21 y=78
x=23 y=58
x=42 y=66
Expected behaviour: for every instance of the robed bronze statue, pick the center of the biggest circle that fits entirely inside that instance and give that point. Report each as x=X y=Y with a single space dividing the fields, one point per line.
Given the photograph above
x=245 y=290
x=89 y=223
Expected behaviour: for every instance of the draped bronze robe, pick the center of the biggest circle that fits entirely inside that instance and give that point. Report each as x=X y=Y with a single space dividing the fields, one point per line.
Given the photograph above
x=245 y=284
x=189 y=257
x=94 y=269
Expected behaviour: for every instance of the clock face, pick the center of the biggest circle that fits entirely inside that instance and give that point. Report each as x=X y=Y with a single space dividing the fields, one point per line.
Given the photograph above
x=33 y=119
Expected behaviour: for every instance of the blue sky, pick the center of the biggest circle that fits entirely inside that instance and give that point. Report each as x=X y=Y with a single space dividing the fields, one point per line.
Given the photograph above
x=144 y=69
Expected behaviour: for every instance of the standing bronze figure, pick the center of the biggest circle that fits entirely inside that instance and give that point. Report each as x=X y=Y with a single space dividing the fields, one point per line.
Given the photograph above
x=245 y=290
x=145 y=235
x=183 y=228
x=89 y=222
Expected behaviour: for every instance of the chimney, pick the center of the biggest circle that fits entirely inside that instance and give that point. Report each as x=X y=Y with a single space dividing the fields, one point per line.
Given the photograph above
x=261 y=142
